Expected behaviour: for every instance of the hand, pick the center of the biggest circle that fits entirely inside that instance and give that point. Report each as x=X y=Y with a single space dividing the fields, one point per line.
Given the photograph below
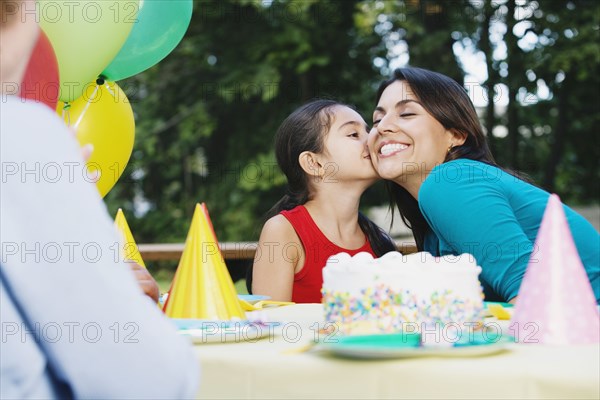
x=145 y=280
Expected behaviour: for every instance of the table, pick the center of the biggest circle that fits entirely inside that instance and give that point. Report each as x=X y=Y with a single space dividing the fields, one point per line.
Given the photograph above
x=273 y=367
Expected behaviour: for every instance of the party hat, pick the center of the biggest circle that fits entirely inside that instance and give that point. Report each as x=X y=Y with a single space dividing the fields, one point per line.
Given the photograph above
x=556 y=304
x=202 y=287
x=130 y=249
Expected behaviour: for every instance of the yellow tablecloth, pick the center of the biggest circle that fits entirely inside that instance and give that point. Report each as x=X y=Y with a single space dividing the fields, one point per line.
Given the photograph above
x=269 y=368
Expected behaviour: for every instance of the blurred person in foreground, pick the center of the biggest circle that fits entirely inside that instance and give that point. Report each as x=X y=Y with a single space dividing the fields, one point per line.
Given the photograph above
x=75 y=323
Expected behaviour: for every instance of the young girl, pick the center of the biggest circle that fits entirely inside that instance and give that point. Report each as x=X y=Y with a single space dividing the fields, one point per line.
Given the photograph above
x=321 y=149
x=428 y=141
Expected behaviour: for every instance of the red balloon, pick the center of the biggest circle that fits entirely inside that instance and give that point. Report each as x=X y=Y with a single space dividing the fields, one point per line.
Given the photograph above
x=41 y=82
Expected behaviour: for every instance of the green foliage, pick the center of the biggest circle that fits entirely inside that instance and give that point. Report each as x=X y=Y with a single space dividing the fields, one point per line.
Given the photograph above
x=206 y=115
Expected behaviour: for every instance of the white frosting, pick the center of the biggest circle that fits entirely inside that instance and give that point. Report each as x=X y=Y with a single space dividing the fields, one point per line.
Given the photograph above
x=419 y=272
x=381 y=294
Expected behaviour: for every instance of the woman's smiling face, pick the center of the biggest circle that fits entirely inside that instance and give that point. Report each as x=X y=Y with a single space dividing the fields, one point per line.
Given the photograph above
x=406 y=142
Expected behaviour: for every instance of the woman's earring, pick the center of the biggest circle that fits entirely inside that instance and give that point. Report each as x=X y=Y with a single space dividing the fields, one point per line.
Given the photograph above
x=450 y=148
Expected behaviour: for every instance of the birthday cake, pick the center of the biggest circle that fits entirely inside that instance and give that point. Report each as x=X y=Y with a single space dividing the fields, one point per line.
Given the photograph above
x=398 y=292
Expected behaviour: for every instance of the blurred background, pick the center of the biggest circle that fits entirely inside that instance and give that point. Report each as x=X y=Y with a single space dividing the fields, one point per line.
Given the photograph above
x=206 y=115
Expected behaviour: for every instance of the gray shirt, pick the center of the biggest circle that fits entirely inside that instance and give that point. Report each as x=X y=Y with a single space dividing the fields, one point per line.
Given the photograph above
x=61 y=258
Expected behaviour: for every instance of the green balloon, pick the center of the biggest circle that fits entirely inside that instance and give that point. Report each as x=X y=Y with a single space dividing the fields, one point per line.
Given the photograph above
x=86 y=36
x=161 y=25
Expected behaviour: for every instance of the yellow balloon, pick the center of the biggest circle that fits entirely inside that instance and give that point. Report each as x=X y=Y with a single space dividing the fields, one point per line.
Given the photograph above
x=102 y=117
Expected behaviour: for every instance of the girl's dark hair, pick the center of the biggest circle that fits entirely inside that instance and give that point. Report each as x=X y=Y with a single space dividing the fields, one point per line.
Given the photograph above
x=449 y=104
x=305 y=130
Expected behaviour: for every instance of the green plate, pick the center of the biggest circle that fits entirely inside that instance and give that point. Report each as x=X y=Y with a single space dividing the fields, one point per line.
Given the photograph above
x=393 y=346
x=391 y=341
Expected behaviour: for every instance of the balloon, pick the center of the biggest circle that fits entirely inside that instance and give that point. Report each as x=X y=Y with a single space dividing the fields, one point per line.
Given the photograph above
x=160 y=27
x=104 y=118
x=41 y=83
x=86 y=36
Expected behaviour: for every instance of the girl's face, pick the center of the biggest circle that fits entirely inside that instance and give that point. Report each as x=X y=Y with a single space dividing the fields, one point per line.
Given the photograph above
x=406 y=142
x=346 y=156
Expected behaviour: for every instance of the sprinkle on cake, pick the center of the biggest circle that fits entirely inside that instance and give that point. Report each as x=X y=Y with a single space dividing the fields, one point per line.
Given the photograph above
x=366 y=295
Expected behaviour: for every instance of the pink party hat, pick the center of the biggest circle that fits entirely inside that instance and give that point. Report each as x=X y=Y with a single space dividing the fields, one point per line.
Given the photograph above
x=556 y=304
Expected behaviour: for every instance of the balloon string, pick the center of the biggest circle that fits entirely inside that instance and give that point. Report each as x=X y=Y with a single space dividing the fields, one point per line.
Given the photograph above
x=109 y=89
x=87 y=105
x=66 y=113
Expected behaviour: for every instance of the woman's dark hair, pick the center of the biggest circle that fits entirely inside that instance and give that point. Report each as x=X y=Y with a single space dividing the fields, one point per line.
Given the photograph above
x=449 y=104
x=305 y=130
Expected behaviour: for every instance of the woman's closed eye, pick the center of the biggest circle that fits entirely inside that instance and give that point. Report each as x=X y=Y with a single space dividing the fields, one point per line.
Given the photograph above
x=407 y=114
x=354 y=134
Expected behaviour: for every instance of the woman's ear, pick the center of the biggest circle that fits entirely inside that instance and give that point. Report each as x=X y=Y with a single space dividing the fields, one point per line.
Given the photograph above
x=310 y=164
x=458 y=138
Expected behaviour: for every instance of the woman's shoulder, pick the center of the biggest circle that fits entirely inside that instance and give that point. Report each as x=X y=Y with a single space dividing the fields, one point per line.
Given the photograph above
x=465 y=169
x=451 y=173
x=461 y=177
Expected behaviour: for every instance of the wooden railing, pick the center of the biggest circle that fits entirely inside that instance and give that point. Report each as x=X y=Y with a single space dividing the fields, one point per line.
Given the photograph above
x=230 y=250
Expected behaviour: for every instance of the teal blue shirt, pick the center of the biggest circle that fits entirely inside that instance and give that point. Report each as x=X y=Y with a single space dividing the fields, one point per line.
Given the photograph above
x=479 y=209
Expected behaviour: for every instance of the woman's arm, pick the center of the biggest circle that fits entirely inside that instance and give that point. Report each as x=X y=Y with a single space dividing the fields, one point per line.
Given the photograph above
x=278 y=254
x=473 y=215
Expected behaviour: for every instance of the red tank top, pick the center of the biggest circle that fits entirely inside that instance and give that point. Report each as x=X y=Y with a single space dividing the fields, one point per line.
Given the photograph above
x=317 y=249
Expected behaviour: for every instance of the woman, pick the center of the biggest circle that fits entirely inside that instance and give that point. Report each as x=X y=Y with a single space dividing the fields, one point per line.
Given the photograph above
x=427 y=139
x=321 y=149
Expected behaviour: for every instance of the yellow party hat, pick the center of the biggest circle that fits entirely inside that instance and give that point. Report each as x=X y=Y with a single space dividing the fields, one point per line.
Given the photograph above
x=130 y=248
x=202 y=287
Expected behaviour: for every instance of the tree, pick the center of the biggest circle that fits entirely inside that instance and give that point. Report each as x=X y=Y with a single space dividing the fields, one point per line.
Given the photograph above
x=206 y=115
